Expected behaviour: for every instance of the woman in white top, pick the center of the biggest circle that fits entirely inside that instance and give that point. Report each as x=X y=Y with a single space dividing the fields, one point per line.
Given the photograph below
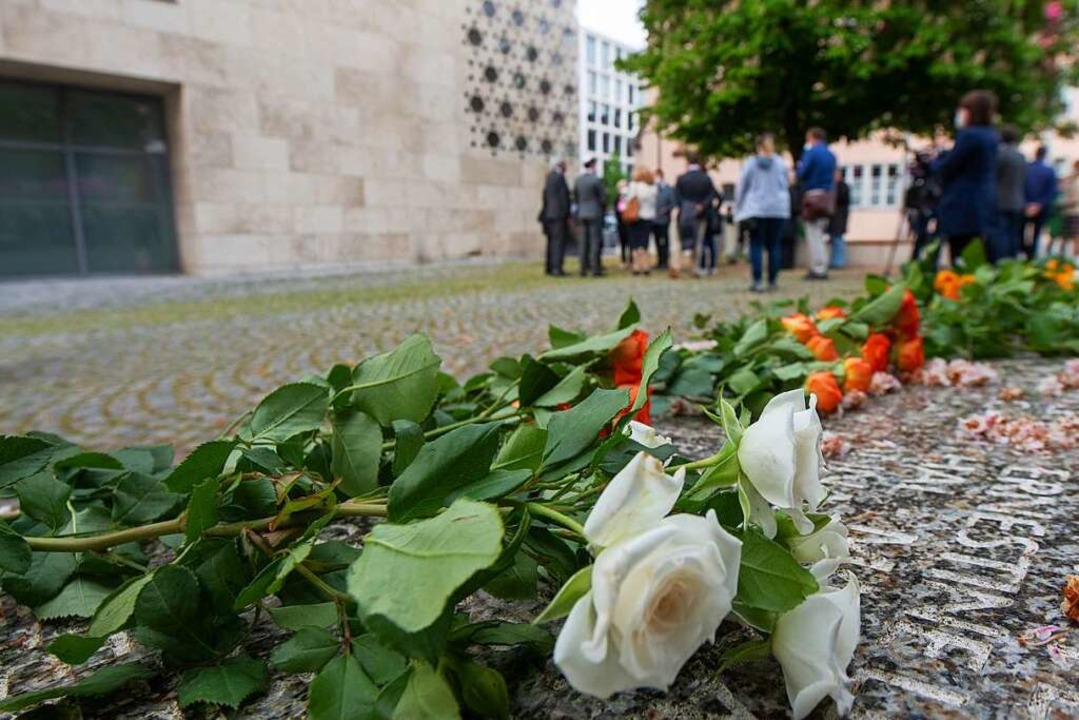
x=642 y=193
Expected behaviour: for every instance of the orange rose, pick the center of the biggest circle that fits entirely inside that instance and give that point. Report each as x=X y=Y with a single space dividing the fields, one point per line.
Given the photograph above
x=644 y=415
x=910 y=355
x=859 y=375
x=1070 y=605
x=946 y=283
x=1063 y=274
x=908 y=320
x=831 y=313
x=823 y=384
x=627 y=358
x=875 y=351
x=822 y=348
x=800 y=326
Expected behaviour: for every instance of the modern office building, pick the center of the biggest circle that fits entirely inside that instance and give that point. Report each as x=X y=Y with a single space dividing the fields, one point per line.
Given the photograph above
x=215 y=136
x=609 y=100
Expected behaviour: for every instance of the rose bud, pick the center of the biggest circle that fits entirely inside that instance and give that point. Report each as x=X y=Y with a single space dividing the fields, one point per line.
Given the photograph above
x=823 y=384
x=876 y=350
x=858 y=375
x=822 y=348
x=910 y=355
x=800 y=326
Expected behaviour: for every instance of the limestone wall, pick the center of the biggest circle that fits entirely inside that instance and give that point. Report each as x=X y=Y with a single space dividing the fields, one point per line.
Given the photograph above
x=318 y=132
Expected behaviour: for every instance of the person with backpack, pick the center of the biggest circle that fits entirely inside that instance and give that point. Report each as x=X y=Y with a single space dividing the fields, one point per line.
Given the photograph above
x=640 y=217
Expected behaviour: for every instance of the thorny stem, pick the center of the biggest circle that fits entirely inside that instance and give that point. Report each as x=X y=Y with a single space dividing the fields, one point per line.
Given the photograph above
x=700 y=464
x=176 y=525
x=322 y=586
x=556 y=517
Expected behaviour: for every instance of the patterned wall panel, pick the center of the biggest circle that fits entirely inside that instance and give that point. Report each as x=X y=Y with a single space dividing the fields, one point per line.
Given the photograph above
x=521 y=89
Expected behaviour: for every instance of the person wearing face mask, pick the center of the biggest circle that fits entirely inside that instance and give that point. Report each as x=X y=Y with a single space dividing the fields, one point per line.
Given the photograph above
x=968 y=202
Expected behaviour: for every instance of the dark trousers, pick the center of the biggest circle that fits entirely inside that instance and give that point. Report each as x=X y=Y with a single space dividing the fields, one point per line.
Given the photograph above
x=919 y=222
x=1009 y=235
x=591 y=245
x=767 y=235
x=661 y=234
x=708 y=251
x=789 y=240
x=623 y=237
x=1032 y=233
x=556 y=231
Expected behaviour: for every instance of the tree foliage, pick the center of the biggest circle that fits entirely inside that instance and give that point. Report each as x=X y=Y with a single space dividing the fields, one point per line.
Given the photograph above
x=727 y=70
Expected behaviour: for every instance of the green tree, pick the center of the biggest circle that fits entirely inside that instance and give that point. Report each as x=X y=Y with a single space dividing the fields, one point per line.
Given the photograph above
x=727 y=70
x=612 y=175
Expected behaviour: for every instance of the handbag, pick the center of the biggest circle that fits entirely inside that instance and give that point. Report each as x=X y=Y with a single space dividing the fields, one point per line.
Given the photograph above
x=632 y=211
x=817 y=204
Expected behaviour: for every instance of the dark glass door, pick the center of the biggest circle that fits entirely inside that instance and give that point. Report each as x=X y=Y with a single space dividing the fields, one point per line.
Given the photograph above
x=84 y=183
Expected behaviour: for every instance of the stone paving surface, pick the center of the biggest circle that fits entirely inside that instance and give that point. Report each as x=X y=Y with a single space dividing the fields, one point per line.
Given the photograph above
x=117 y=362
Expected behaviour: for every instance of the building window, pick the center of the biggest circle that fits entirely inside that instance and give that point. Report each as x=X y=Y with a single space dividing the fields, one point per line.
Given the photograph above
x=84 y=186
x=632 y=93
x=629 y=148
x=605 y=55
x=876 y=185
x=631 y=120
x=604 y=87
x=891 y=189
x=618 y=91
x=604 y=114
x=855 y=177
x=606 y=143
x=591 y=82
x=617 y=117
x=590 y=50
x=617 y=145
x=591 y=140
x=591 y=111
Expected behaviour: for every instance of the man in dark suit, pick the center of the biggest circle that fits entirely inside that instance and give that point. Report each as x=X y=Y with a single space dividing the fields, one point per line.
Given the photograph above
x=694 y=193
x=591 y=204
x=555 y=216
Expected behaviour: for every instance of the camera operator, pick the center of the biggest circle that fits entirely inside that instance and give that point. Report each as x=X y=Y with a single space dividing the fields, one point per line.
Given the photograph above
x=968 y=202
x=921 y=200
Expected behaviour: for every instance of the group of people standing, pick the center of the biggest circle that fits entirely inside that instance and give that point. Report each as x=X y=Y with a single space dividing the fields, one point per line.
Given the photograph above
x=990 y=194
x=770 y=201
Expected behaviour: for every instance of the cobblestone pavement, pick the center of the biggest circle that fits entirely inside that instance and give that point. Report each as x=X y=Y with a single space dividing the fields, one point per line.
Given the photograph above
x=117 y=362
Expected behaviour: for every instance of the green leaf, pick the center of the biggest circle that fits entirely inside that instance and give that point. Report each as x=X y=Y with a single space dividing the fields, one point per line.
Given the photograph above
x=427 y=697
x=306 y=651
x=287 y=411
x=754 y=335
x=649 y=366
x=408 y=573
x=573 y=431
x=567 y=389
x=505 y=634
x=630 y=316
x=117 y=609
x=483 y=690
x=227 y=683
x=15 y=553
x=294 y=617
x=206 y=461
x=517 y=582
x=221 y=571
x=341 y=691
x=595 y=345
x=769 y=577
x=75 y=649
x=744 y=382
x=202 y=509
x=399 y=385
x=44 y=498
x=48 y=572
x=21 y=457
x=79 y=598
x=881 y=310
x=102 y=682
x=791 y=371
x=497 y=484
x=171 y=618
x=523 y=450
x=723 y=474
x=146 y=459
x=537 y=379
x=747 y=652
x=357 y=450
x=379 y=662
x=559 y=338
x=573 y=590
x=407 y=441
x=273 y=576
x=139 y=499
x=456 y=459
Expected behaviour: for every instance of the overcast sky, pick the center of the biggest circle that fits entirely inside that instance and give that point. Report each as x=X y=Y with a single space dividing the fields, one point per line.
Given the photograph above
x=614 y=18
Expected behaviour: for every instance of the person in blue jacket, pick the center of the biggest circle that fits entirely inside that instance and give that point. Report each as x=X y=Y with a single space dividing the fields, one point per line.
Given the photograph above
x=1040 y=192
x=816 y=173
x=968 y=202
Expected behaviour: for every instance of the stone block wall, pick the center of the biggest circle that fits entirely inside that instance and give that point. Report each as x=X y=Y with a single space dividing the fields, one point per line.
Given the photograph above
x=326 y=132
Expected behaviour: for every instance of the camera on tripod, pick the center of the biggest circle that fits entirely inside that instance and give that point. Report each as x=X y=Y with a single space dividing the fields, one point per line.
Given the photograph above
x=925 y=187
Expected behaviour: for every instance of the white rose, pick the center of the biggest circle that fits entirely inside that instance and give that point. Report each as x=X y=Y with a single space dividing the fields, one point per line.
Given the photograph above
x=645 y=435
x=781 y=456
x=655 y=599
x=814 y=644
x=825 y=548
x=636 y=499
